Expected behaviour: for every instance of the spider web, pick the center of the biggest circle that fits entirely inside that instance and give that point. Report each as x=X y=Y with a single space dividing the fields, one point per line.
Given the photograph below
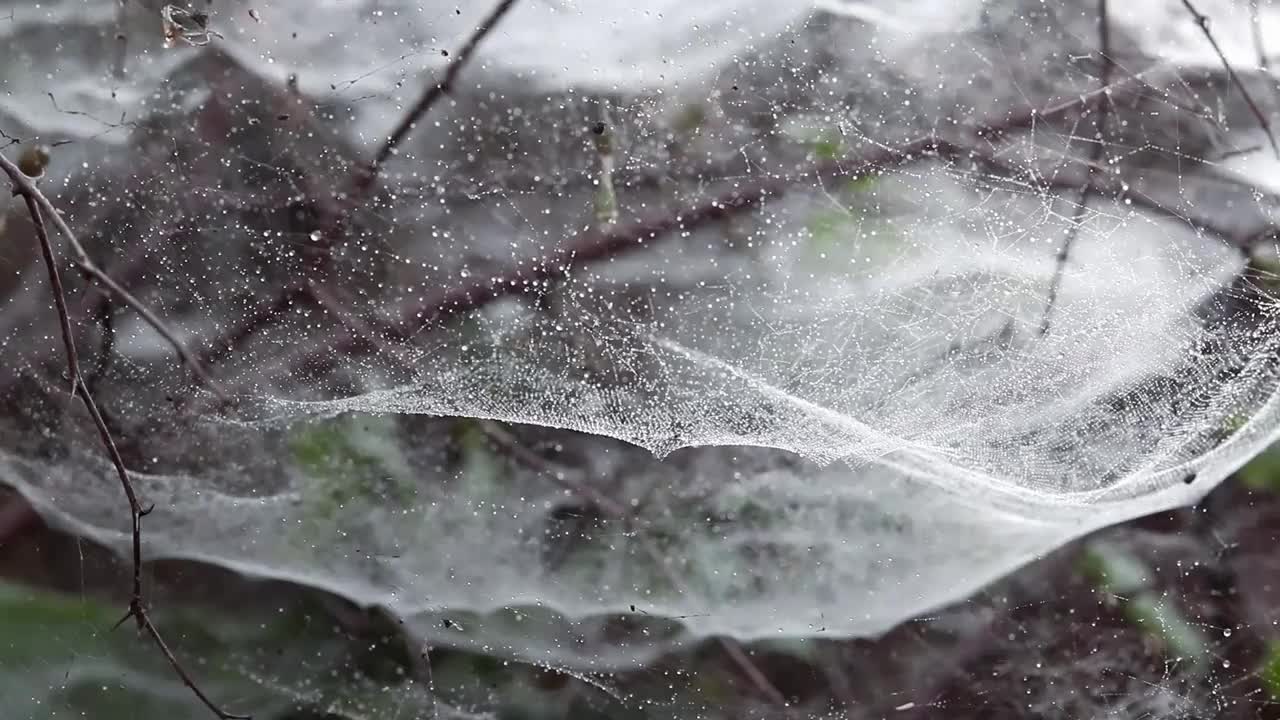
x=873 y=394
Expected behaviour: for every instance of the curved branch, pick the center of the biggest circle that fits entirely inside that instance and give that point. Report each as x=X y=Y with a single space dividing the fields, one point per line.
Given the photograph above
x=24 y=186
x=37 y=206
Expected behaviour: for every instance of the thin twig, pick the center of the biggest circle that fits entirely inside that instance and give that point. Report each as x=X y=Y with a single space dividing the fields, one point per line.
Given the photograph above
x=1260 y=48
x=530 y=276
x=1203 y=21
x=24 y=185
x=336 y=214
x=107 y=348
x=137 y=606
x=265 y=315
x=440 y=89
x=566 y=478
x=358 y=326
x=1095 y=158
x=1259 y=45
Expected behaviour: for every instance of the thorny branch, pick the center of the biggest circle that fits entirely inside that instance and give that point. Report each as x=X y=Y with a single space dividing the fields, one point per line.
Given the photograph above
x=37 y=206
x=1203 y=22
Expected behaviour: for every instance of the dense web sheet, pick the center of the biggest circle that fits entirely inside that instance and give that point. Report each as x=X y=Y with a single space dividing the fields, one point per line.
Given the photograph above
x=873 y=392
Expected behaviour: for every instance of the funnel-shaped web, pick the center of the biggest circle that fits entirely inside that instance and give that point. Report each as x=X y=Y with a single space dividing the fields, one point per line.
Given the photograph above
x=874 y=372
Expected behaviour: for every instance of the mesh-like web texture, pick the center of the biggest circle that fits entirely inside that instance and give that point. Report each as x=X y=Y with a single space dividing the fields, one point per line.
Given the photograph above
x=874 y=385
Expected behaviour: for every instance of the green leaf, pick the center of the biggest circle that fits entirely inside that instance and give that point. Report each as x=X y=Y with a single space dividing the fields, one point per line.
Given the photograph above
x=59 y=657
x=1114 y=570
x=1263 y=472
x=1125 y=578
x=350 y=459
x=1269 y=672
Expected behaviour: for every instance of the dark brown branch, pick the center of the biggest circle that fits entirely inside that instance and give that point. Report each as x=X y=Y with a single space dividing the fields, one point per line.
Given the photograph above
x=24 y=186
x=335 y=214
x=567 y=479
x=1096 y=152
x=592 y=245
x=359 y=327
x=596 y=245
x=440 y=89
x=137 y=606
x=107 y=348
x=144 y=622
x=263 y=316
x=1203 y=21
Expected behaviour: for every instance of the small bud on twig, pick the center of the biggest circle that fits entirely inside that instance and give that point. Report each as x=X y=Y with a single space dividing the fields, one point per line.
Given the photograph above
x=34 y=160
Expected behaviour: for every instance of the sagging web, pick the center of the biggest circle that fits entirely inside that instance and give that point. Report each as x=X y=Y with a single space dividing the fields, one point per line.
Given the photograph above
x=902 y=301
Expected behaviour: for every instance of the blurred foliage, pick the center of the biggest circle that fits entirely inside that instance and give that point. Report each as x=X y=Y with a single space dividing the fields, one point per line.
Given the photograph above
x=59 y=657
x=1269 y=672
x=850 y=226
x=1263 y=472
x=1126 y=579
x=478 y=467
x=351 y=459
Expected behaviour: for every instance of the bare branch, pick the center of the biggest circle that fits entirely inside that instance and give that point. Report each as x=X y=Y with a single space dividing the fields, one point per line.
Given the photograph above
x=144 y=621
x=440 y=89
x=1203 y=21
x=24 y=185
x=599 y=244
x=596 y=245
x=336 y=214
x=593 y=245
x=566 y=478
x=1096 y=151
x=265 y=315
x=36 y=206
